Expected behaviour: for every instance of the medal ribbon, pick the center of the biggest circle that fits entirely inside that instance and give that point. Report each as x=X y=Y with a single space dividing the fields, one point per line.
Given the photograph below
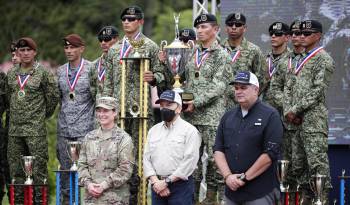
x=126 y=47
x=23 y=83
x=200 y=57
x=290 y=63
x=235 y=55
x=272 y=68
x=311 y=54
x=76 y=77
x=101 y=71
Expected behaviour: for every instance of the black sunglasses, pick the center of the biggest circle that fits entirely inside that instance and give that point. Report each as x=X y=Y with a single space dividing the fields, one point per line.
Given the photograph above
x=307 y=33
x=237 y=24
x=130 y=19
x=104 y=38
x=296 y=33
x=277 y=34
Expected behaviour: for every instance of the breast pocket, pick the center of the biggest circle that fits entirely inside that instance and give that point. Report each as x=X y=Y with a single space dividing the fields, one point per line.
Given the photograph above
x=177 y=145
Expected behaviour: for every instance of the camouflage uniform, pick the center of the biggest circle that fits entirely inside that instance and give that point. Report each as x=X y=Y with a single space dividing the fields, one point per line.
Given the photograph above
x=107 y=158
x=132 y=88
x=76 y=117
x=250 y=58
x=307 y=94
x=292 y=148
x=27 y=128
x=208 y=89
x=98 y=86
x=4 y=167
x=272 y=91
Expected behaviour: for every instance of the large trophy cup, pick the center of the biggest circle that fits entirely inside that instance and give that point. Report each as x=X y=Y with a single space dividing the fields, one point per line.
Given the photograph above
x=74 y=152
x=317 y=185
x=28 y=163
x=177 y=55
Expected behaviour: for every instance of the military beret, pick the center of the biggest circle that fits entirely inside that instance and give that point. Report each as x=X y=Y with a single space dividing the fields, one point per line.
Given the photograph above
x=74 y=40
x=235 y=17
x=108 y=31
x=26 y=42
x=13 y=47
x=279 y=27
x=187 y=34
x=295 y=25
x=132 y=10
x=204 y=18
x=311 y=25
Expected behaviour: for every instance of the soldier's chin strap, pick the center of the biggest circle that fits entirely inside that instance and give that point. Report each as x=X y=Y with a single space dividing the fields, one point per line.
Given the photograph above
x=203 y=185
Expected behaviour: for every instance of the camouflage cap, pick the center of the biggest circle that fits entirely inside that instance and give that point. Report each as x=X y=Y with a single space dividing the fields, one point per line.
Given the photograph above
x=236 y=18
x=204 y=18
x=26 y=42
x=74 y=40
x=132 y=11
x=109 y=103
x=279 y=27
x=311 y=25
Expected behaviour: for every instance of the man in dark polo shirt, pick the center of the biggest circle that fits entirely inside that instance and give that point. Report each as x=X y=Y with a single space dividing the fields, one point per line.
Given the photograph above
x=247 y=146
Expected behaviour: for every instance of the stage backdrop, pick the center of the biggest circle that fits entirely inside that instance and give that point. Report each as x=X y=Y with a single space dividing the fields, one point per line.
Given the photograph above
x=335 y=17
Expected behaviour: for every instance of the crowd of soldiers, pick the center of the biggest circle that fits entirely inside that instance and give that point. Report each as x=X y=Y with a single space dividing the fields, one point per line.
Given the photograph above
x=292 y=80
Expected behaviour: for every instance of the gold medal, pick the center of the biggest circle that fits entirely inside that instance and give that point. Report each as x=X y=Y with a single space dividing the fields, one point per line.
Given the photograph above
x=71 y=95
x=196 y=74
x=21 y=93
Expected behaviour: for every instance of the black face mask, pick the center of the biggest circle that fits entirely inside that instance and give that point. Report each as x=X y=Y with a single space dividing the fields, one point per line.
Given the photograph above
x=167 y=115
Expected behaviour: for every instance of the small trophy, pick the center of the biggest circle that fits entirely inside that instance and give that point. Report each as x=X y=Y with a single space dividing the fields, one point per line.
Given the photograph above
x=177 y=56
x=137 y=44
x=317 y=185
x=281 y=174
x=74 y=151
x=28 y=163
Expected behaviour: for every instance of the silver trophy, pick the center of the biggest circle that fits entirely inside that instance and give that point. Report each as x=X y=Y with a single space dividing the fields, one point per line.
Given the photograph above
x=177 y=56
x=28 y=163
x=317 y=185
x=74 y=152
x=282 y=174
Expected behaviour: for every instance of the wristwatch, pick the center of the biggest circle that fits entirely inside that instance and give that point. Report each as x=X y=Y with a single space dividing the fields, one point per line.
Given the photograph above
x=243 y=178
x=168 y=181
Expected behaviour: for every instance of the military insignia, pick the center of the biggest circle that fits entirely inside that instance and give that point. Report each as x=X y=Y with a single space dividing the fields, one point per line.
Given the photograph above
x=22 y=43
x=204 y=17
x=104 y=32
x=186 y=33
x=278 y=26
x=296 y=25
x=108 y=31
x=131 y=11
x=66 y=43
x=308 y=24
x=238 y=16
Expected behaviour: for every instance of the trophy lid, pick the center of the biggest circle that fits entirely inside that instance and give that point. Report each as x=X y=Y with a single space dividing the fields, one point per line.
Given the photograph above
x=176 y=44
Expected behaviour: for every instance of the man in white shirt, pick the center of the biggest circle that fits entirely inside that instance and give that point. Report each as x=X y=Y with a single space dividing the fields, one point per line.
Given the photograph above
x=171 y=154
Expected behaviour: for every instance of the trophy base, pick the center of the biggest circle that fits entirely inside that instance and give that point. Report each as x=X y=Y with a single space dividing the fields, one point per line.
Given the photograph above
x=318 y=202
x=28 y=181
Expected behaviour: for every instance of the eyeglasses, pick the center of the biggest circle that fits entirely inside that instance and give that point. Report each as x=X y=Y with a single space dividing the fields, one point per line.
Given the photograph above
x=296 y=33
x=130 y=19
x=237 y=25
x=104 y=38
x=277 y=34
x=307 y=33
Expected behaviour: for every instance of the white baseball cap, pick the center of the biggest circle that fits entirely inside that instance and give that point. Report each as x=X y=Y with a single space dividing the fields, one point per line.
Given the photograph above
x=171 y=96
x=245 y=77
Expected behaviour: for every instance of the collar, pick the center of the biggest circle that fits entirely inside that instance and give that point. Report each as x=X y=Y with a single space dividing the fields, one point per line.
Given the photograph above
x=214 y=46
x=257 y=102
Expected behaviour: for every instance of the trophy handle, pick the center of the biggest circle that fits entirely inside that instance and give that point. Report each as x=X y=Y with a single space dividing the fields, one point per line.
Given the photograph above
x=163 y=43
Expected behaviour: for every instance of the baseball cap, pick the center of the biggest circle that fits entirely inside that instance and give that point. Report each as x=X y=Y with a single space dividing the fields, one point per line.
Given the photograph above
x=171 y=96
x=245 y=77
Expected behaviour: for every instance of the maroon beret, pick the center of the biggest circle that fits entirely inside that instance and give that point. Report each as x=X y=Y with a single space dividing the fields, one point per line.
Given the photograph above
x=74 y=40
x=26 y=42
